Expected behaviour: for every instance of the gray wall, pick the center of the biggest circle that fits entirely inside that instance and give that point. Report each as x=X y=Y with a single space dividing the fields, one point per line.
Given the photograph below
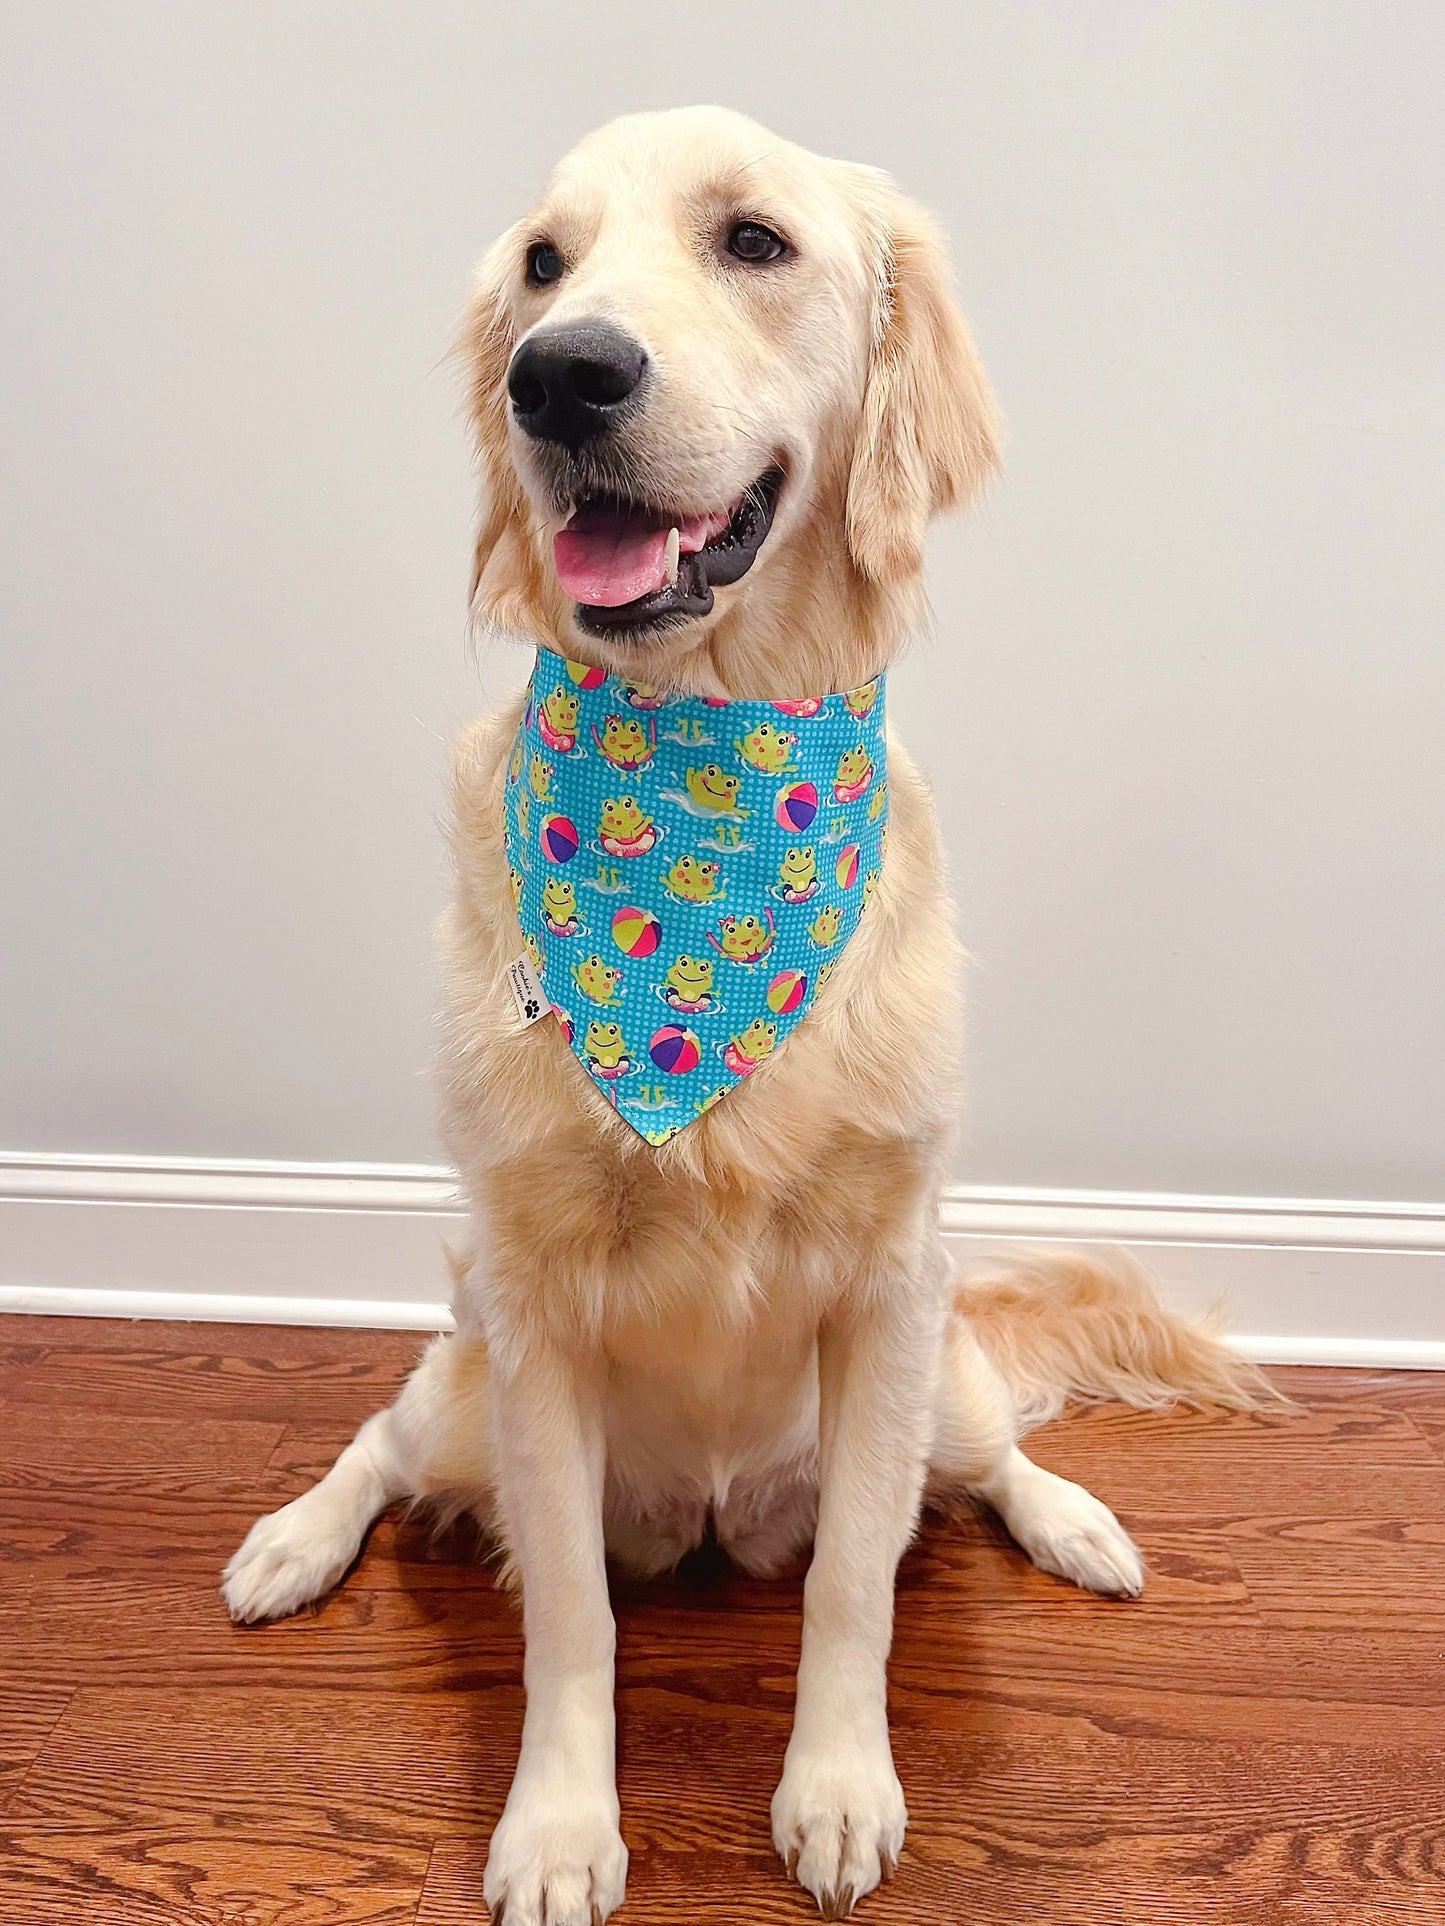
x=1185 y=693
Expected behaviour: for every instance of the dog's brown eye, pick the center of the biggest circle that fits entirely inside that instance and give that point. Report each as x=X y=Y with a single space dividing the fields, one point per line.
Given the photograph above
x=544 y=265
x=750 y=241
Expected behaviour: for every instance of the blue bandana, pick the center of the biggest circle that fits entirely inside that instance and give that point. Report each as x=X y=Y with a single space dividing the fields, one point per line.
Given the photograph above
x=687 y=872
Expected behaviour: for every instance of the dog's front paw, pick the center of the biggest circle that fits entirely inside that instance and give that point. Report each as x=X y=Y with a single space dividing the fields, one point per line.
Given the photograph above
x=555 y=1861
x=290 y=1557
x=838 y=1821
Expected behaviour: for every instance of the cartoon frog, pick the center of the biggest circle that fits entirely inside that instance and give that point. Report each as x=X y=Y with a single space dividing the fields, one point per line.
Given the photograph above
x=807 y=706
x=825 y=970
x=625 y=828
x=878 y=802
x=712 y=789
x=768 y=750
x=559 y=907
x=692 y=879
x=859 y=702
x=557 y=719
x=605 y=1051
x=744 y=938
x=641 y=695
x=798 y=875
x=514 y=767
x=825 y=926
x=596 y=979
x=747 y=1049
x=534 y=953
x=855 y=772
x=539 y=774
x=688 y=985
x=870 y=883
x=625 y=743
x=514 y=877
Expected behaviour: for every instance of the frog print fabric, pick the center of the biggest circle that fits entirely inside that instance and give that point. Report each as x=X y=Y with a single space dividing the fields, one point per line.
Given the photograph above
x=686 y=873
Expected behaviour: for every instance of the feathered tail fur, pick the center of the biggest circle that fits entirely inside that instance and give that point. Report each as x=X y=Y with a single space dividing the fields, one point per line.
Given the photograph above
x=1062 y=1326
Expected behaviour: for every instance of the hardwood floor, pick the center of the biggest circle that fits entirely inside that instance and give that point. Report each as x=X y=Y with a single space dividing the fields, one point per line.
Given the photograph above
x=1259 y=1741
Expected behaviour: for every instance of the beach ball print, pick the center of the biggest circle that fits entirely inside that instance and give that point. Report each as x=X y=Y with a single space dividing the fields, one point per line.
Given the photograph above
x=636 y=932
x=786 y=992
x=559 y=839
x=846 y=868
x=796 y=806
x=585 y=676
x=675 y=1050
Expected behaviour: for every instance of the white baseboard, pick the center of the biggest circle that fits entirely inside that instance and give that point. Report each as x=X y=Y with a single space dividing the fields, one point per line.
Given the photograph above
x=1302 y=1281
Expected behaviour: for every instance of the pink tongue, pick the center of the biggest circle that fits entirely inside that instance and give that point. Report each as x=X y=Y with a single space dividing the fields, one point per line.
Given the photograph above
x=605 y=558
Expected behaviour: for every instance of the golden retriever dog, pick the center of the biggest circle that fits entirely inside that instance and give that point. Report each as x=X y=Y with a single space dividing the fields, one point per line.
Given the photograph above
x=740 y=369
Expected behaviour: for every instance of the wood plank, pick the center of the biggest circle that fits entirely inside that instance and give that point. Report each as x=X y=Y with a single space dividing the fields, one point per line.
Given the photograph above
x=1330 y=1462
x=136 y=1379
x=1368 y=1533
x=62 y=1875
x=1411 y=1391
x=22 y=1336
x=1391 y=1587
x=28 y=1715
x=360 y=1765
x=188 y=1534
x=1293 y=1688
x=36 y=1444
x=88 y=1534
x=159 y=1634
x=1377 y=1433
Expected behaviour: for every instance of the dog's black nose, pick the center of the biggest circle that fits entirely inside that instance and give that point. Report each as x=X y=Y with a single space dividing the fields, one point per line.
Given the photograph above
x=568 y=384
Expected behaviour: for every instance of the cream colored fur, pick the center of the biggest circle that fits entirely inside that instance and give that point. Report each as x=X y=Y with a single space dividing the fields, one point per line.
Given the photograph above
x=754 y=1324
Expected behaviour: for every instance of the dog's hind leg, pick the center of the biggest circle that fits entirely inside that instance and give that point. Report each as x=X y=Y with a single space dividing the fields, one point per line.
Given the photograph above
x=1063 y=1528
x=1047 y=1327
x=433 y=1444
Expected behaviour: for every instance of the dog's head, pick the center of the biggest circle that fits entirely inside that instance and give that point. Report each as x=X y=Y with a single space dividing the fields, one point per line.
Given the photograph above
x=713 y=373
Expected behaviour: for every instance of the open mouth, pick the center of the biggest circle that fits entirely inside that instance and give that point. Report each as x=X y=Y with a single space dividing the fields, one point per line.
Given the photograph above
x=631 y=567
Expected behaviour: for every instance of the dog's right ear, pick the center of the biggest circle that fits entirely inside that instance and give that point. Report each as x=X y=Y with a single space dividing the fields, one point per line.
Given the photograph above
x=928 y=437
x=504 y=571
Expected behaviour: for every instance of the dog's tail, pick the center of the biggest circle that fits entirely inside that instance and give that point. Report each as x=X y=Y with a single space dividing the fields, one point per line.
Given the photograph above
x=1067 y=1325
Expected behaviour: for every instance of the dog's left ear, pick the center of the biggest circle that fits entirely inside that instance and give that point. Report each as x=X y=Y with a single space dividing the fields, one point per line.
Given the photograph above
x=928 y=437
x=504 y=569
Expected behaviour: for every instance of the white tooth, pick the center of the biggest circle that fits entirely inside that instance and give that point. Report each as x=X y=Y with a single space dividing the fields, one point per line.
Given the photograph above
x=670 y=555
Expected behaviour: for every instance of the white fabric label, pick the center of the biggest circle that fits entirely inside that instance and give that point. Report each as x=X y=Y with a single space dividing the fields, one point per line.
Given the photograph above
x=531 y=999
